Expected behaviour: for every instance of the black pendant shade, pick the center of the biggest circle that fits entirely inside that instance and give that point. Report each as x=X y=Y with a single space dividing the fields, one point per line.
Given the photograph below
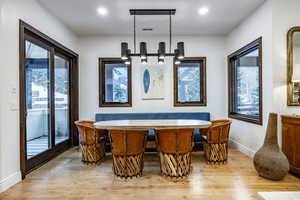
x=180 y=47
x=127 y=62
x=161 y=50
x=143 y=50
x=124 y=51
x=177 y=61
x=128 y=53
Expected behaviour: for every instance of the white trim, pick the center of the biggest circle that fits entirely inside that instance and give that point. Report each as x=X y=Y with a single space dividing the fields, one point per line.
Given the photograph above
x=10 y=181
x=242 y=148
x=292 y=195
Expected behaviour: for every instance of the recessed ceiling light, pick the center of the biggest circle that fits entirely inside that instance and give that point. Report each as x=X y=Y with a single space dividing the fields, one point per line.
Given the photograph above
x=102 y=11
x=203 y=11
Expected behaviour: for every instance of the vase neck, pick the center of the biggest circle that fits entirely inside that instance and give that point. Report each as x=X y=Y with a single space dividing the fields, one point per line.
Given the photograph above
x=271 y=135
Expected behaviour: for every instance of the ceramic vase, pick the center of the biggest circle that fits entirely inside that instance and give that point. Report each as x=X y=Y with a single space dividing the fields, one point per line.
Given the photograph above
x=269 y=160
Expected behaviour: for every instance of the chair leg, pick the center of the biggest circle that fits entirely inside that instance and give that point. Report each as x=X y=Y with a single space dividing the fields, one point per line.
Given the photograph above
x=92 y=153
x=175 y=166
x=216 y=153
x=128 y=166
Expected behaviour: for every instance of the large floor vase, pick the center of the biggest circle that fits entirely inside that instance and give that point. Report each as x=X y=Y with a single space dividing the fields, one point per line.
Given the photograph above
x=269 y=161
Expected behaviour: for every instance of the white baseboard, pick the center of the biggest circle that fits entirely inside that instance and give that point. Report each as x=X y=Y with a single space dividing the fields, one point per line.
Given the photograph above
x=279 y=195
x=242 y=148
x=10 y=181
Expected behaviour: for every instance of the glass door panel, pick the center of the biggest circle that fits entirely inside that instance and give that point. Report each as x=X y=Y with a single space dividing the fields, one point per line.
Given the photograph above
x=37 y=70
x=61 y=99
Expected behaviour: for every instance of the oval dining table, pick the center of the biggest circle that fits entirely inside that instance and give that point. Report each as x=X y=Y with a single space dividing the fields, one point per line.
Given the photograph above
x=151 y=124
x=173 y=139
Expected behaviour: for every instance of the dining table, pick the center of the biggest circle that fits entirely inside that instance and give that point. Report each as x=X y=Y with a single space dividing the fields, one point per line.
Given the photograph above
x=151 y=124
x=173 y=139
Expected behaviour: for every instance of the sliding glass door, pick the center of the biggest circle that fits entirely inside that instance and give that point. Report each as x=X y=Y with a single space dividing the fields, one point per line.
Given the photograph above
x=48 y=98
x=38 y=102
x=61 y=84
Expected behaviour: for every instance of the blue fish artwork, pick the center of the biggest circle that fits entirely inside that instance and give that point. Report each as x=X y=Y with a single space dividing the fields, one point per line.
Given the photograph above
x=146 y=81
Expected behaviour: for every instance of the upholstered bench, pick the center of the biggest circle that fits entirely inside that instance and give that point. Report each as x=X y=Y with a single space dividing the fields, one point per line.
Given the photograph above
x=198 y=139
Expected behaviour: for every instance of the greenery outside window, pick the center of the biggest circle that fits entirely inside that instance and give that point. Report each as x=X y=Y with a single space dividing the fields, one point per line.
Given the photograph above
x=114 y=83
x=190 y=82
x=245 y=83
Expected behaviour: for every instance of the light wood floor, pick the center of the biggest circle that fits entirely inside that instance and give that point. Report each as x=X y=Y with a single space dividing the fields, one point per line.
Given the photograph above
x=67 y=178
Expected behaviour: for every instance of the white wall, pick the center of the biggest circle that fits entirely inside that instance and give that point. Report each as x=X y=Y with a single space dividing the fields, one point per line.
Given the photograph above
x=94 y=47
x=286 y=15
x=1 y=53
x=246 y=136
x=31 y=12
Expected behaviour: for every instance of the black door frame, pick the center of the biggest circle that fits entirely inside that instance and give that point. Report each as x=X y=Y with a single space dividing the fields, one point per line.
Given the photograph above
x=27 y=31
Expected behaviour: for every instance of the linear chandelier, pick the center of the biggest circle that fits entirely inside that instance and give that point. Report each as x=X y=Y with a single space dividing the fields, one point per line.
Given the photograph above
x=161 y=53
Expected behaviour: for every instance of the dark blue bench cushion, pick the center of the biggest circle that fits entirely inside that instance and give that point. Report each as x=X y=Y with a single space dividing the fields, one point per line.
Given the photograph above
x=131 y=116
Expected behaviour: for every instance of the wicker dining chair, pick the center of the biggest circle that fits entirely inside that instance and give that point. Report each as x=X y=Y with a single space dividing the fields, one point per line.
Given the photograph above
x=92 y=142
x=128 y=147
x=174 y=147
x=216 y=142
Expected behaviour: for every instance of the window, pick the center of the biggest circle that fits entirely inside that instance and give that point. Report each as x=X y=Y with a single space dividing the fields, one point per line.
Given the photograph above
x=245 y=83
x=115 y=83
x=190 y=82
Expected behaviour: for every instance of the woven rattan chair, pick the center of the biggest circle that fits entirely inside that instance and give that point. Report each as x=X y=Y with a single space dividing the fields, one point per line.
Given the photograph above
x=92 y=142
x=174 y=147
x=216 y=142
x=128 y=147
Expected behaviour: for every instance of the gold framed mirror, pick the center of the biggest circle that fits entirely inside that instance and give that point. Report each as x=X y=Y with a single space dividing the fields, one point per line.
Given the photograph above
x=293 y=67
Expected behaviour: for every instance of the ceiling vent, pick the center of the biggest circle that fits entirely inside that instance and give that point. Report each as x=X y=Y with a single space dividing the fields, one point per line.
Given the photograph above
x=147 y=29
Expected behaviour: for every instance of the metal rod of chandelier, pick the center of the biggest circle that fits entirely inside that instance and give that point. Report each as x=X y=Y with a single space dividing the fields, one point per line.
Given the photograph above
x=161 y=53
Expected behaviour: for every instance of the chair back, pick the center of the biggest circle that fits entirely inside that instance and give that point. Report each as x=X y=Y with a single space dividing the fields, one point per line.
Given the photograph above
x=128 y=142
x=174 y=141
x=219 y=131
x=88 y=134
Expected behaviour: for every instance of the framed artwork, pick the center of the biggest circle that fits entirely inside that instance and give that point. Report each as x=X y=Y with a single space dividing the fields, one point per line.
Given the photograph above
x=152 y=82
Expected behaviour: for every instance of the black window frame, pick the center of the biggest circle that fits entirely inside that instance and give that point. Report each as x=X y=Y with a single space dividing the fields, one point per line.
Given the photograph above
x=255 y=45
x=102 y=102
x=203 y=95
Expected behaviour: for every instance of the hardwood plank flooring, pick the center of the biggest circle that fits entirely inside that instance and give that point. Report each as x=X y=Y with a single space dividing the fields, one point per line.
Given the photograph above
x=67 y=178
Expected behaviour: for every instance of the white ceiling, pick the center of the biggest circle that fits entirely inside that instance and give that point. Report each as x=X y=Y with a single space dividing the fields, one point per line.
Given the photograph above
x=81 y=16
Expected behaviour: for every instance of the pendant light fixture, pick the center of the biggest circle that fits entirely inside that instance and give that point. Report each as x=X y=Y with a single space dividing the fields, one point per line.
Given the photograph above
x=161 y=52
x=124 y=51
x=143 y=50
x=177 y=61
x=180 y=47
x=127 y=61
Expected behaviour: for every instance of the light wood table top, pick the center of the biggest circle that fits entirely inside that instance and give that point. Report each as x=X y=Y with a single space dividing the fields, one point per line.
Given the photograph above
x=151 y=124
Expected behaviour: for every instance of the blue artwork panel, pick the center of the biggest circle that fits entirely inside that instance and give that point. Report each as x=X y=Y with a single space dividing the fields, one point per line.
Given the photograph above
x=146 y=81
